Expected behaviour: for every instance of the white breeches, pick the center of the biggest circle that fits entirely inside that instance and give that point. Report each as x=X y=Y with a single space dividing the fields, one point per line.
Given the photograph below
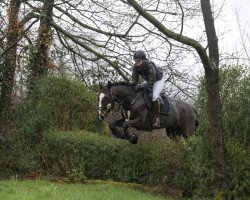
x=157 y=88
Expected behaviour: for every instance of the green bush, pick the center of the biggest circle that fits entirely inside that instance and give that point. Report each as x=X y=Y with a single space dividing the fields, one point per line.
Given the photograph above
x=183 y=164
x=234 y=91
x=59 y=104
x=100 y=157
x=198 y=176
x=55 y=103
x=18 y=158
x=238 y=169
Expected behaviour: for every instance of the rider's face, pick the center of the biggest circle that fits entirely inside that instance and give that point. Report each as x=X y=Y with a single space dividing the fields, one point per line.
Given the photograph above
x=138 y=62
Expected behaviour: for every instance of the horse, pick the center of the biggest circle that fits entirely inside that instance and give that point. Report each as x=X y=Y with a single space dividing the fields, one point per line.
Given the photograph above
x=136 y=112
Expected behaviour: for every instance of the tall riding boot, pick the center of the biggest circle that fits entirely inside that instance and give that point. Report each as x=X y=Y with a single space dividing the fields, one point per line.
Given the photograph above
x=157 y=122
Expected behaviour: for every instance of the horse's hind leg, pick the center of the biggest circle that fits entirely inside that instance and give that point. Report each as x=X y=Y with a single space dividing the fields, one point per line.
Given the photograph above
x=172 y=133
x=185 y=130
x=188 y=128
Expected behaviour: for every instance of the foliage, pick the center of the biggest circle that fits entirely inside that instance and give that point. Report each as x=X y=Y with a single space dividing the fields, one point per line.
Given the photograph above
x=80 y=155
x=183 y=164
x=55 y=103
x=61 y=104
x=199 y=175
x=18 y=158
x=234 y=91
x=238 y=169
x=102 y=157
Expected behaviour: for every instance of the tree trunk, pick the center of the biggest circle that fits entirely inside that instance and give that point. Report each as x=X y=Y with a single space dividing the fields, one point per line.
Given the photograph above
x=214 y=103
x=8 y=67
x=40 y=60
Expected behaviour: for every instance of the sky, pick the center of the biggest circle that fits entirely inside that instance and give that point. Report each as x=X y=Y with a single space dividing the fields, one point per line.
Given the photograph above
x=231 y=41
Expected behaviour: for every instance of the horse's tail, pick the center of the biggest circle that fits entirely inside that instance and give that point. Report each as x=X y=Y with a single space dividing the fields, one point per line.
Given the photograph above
x=196 y=120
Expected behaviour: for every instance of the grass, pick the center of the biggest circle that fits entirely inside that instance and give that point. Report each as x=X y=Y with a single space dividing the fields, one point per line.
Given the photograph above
x=41 y=190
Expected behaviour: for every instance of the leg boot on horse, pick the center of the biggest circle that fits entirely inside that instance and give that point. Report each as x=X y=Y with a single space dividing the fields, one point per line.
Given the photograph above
x=157 y=122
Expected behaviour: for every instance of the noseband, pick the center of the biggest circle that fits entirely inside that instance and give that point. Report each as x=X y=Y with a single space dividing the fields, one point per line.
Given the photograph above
x=109 y=106
x=112 y=100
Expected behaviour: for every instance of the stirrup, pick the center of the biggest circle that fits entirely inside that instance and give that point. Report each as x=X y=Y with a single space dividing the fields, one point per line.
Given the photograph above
x=157 y=123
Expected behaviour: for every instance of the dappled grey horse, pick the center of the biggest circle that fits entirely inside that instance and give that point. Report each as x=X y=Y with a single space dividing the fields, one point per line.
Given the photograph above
x=136 y=112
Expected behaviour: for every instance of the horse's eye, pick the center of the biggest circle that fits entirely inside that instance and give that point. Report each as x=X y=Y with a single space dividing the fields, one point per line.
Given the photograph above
x=105 y=98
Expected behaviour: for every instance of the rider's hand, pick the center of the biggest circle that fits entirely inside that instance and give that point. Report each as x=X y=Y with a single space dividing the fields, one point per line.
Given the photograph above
x=138 y=87
x=144 y=85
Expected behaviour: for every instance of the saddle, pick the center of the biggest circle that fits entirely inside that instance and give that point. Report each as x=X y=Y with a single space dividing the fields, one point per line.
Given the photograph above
x=165 y=107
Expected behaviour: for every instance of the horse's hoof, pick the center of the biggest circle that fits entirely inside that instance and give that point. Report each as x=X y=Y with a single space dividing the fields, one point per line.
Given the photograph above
x=134 y=139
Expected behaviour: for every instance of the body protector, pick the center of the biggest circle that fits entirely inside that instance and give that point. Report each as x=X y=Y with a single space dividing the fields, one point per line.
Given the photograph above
x=148 y=71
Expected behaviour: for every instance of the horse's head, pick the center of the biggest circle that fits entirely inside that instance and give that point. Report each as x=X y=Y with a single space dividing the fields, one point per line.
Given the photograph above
x=106 y=102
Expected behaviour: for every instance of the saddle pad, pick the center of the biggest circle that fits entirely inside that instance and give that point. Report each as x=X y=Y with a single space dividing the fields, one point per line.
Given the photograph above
x=165 y=107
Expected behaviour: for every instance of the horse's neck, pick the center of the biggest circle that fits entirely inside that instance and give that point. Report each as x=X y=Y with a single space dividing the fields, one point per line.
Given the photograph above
x=125 y=96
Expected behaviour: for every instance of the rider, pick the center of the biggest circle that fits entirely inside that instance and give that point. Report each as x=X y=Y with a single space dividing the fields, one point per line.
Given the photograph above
x=153 y=77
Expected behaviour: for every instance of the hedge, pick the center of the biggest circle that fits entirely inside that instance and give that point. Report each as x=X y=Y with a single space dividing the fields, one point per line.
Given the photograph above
x=86 y=155
x=58 y=103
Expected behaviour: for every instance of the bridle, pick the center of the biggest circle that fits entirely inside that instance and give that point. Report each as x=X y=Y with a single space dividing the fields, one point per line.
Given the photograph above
x=106 y=109
x=113 y=99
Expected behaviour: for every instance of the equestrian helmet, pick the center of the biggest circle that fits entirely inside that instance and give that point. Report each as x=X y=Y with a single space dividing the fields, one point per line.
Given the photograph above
x=139 y=55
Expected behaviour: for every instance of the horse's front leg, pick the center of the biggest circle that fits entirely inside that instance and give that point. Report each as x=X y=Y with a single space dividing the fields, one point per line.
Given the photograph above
x=116 y=132
x=126 y=125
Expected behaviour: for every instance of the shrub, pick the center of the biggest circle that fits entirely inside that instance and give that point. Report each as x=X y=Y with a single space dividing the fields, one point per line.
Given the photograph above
x=101 y=157
x=183 y=164
x=198 y=175
x=234 y=91
x=60 y=104
x=55 y=103
x=238 y=170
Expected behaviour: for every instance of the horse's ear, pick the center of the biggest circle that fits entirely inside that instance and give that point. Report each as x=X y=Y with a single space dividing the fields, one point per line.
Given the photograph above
x=100 y=85
x=109 y=85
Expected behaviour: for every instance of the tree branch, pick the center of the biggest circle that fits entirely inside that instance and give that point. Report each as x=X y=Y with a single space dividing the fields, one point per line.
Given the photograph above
x=73 y=38
x=89 y=27
x=180 y=38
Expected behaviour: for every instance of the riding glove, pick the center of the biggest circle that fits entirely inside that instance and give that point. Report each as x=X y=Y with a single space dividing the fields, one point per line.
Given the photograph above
x=138 y=87
x=143 y=86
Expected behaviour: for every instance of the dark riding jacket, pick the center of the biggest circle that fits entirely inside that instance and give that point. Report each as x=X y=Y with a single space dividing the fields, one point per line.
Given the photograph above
x=148 y=71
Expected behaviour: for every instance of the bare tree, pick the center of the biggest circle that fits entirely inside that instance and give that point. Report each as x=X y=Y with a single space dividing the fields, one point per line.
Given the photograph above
x=97 y=40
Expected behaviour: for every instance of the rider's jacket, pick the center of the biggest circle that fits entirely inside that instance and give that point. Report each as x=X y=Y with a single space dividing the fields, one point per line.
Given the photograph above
x=148 y=71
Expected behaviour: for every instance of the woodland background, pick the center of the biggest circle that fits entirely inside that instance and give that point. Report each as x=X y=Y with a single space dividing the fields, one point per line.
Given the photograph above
x=54 y=53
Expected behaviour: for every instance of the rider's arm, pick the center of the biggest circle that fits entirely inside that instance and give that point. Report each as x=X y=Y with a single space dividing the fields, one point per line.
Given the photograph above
x=151 y=75
x=135 y=76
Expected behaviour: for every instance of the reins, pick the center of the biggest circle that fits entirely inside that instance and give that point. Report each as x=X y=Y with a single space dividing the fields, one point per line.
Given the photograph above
x=131 y=104
x=105 y=113
x=120 y=105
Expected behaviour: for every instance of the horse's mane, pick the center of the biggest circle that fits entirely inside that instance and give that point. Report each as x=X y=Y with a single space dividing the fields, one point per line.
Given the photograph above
x=121 y=83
